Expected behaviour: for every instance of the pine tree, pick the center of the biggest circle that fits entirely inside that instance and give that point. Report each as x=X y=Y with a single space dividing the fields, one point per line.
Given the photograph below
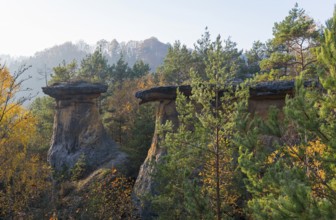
x=120 y=72
x=294 y=176
x=176 y=65
x=64 y=72
x=94 y=68
x=257 y=53
x=294 y=38
x=197 y=177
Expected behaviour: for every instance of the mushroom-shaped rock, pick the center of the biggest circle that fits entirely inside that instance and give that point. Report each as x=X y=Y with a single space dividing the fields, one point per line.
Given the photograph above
x=262 y=96
x=78 y=129
x=162 y=93
x=76 y=90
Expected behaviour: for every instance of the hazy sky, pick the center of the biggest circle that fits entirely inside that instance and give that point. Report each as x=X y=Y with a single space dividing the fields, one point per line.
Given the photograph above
x=28 y=26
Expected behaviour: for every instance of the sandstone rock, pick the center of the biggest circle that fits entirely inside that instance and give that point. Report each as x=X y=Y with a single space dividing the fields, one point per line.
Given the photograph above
x=162 y=93
x=78 y=129
x=262 y=96
x=264 y=90
x=166 y=111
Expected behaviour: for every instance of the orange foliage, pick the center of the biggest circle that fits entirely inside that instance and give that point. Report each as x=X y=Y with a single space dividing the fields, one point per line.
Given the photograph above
x=310 y=158
x=124 y=105
x=22 y=177
x=111 y=198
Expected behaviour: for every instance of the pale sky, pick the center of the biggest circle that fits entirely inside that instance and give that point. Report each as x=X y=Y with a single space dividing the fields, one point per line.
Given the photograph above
x=28 y=26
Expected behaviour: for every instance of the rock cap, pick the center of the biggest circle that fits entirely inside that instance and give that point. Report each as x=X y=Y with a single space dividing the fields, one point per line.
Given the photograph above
x=66 y=90
x=269 y=89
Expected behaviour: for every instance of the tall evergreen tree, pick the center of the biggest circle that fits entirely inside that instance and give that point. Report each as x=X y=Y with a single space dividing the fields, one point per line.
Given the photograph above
x=176 y=65
x=294 y=176
x=64 y=72
x=139 y=69
x=120 y=72
x=95 y=68
x=294 y=37
x=200 y=52
x=197 y=177
x=257 y=53
x=233 y=59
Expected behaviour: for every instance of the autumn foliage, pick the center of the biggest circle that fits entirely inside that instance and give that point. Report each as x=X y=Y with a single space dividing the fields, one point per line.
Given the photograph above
x=23 y=178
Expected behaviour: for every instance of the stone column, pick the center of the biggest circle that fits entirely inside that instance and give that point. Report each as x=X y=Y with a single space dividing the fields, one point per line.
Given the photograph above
x=78 y=129
x=166 y=111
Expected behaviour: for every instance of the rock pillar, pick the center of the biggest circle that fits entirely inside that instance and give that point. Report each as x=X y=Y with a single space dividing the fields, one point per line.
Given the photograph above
x=78 y=129
x=262 y=96
x=166 y=111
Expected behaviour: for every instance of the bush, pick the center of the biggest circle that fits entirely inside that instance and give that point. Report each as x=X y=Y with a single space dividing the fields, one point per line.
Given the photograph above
x=79 y=170
x=110 y=198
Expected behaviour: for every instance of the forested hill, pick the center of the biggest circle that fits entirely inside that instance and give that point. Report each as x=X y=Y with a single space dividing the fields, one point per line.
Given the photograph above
x=151 y=51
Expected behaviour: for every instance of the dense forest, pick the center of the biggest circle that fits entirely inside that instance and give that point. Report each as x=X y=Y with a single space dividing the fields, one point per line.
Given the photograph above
x=151 y=51
x=222 y=162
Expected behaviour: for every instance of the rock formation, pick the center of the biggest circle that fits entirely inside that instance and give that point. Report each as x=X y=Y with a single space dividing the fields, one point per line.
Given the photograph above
x=78 y=129
x=166 y=111
x=262 y=96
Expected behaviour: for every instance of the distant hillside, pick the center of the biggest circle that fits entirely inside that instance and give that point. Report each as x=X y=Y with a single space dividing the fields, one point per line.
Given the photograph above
x=151 y=51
